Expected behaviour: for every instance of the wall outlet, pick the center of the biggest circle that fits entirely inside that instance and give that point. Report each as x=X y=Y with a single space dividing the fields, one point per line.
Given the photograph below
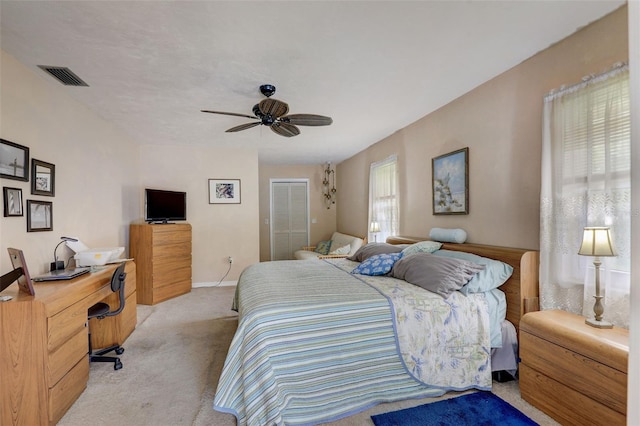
x=230 y=260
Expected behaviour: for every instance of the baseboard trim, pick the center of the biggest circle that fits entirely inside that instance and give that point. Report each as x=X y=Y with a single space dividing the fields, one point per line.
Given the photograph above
x=215 y=284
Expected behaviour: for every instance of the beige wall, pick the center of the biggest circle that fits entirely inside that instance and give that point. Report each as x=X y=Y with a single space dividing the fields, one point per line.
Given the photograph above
x=219 y=230
x=96 y=176
x=500 y=121
x=325 y=218
x=101 y=175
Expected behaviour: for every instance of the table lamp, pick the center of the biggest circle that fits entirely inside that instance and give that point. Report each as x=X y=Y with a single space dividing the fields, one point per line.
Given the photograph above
x=596 y=241
x=59 y=264
x=375 y=228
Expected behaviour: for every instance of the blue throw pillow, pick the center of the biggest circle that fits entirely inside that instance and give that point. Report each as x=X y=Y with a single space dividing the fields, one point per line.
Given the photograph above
x=323 y=247
x=380 y=264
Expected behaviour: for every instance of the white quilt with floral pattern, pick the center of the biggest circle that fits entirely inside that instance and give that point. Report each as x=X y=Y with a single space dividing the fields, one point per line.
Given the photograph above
x=443 y=342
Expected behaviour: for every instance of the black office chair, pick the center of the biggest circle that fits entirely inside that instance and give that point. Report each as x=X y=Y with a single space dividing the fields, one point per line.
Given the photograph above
x=101 y=310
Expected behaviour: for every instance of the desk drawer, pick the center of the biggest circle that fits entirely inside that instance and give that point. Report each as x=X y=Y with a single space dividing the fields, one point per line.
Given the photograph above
x=67 y=390
x=67 y=355
x=63 y=326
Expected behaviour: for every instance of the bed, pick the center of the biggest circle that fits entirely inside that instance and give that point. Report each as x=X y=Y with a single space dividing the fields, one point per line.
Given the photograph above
x=316 y=343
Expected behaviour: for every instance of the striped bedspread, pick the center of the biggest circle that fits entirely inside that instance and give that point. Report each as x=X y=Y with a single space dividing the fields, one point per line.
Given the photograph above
x=315 y=343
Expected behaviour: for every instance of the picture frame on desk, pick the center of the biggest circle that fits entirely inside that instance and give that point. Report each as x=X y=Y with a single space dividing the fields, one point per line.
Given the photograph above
x=39 y=216
x=24 y=281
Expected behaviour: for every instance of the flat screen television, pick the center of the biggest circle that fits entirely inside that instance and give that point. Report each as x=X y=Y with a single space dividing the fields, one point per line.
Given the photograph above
x=163 y=206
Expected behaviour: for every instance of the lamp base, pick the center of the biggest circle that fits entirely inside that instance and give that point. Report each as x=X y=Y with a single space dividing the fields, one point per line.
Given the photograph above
x=598 y=324
x=57 y=265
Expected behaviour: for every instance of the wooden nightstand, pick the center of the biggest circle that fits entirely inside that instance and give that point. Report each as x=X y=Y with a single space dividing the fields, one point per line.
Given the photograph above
x=575 y=373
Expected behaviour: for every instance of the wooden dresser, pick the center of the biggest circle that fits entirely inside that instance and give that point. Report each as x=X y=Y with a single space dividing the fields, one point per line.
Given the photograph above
x=44 y=364
x=575 y=373
x=162 y=253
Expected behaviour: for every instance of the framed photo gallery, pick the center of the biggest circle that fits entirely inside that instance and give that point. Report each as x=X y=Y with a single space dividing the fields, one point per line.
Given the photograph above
x=15 y=164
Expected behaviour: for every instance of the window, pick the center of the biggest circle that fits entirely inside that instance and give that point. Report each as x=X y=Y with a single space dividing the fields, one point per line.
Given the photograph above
x=586 y=181
x=383 y=199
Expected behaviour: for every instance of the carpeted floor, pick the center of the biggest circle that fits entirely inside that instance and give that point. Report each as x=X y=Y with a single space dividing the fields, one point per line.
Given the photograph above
x=172 y=362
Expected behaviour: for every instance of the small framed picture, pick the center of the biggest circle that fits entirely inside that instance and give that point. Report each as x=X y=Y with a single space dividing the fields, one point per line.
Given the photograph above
x=39 y=216
x=14 y=161
x=43 y=178
x=451 y=183
x=12 y=201
x=224 y=191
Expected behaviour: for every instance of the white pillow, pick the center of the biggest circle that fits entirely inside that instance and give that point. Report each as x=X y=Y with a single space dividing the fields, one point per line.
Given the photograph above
x=448 y=235
x=342 y=250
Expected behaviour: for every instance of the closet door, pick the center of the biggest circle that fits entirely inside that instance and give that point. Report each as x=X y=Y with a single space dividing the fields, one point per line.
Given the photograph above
x=289 y=218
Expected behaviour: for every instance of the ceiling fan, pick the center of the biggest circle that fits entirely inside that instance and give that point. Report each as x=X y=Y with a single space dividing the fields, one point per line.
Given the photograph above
x=273 y=113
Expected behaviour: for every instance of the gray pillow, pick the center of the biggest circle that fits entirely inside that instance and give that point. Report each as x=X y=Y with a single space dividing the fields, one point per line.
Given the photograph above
x=372 y=249
x=440 y=275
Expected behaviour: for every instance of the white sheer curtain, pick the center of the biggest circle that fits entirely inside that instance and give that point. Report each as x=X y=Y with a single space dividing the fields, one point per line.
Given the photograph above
x=586 y=182
x=383 y=198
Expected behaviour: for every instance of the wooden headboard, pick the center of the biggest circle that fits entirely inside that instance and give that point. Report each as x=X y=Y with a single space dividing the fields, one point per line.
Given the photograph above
x=521 y=289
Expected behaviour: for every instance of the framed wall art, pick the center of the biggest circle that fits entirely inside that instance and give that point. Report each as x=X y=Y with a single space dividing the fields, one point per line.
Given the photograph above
x=224 y=191
x=39 y=216
x=12 y=201
x=43 y=178
x=14 y=161
x=450 y=179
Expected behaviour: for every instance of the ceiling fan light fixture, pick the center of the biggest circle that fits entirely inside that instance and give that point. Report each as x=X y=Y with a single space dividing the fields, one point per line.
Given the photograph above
x=273 y=114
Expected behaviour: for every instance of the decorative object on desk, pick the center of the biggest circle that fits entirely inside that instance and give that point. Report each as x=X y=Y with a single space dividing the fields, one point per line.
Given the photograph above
x=14 y=161
x=39 y=216
x=479 y=408
x=329 y=185
x=59 y=264
x=12 y=201
x=43 y=178
x=18 y=262
x=375 y=229
x=450 y=179
x=596 y=241
x=224 y=191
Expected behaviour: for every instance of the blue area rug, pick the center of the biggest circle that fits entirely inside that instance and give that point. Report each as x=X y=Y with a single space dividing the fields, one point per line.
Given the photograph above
x=477 y=409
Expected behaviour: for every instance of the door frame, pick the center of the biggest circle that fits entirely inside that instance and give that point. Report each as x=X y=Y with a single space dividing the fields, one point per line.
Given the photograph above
x=286 y=180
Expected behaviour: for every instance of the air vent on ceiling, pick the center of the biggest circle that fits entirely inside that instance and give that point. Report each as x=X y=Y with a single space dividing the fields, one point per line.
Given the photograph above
x=64 y=75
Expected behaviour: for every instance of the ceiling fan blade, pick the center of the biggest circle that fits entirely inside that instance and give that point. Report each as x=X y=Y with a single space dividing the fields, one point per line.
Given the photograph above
x=285 y=129
x=273 y=107
x=228 y=113
x=244 y=126
x=307 y=119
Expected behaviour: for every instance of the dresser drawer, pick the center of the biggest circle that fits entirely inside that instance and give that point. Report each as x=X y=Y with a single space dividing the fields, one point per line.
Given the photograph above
x=68 y=389
x=588 y=377
x=566 y=405
x=167 y=292
x=167 y=252
x=65 y=357
x=167 y=234
x=67 y=323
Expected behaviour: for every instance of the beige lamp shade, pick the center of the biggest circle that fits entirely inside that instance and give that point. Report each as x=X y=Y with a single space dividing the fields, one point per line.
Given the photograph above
x=375 y=227
x=596 y=241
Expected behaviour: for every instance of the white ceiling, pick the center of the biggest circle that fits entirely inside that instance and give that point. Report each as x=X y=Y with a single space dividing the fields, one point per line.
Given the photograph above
x=374 y=67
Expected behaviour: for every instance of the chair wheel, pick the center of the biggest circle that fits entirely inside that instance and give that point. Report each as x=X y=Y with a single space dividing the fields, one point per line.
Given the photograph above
x=119 y=351
x=117 y=365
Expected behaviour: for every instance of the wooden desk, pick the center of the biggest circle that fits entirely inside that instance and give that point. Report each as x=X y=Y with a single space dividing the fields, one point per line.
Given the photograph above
x=44 y=365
